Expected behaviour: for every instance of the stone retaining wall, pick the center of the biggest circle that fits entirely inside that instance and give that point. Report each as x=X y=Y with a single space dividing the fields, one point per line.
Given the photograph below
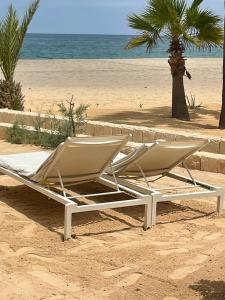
x=147 y=135
x=211 y=158
x=139 y=134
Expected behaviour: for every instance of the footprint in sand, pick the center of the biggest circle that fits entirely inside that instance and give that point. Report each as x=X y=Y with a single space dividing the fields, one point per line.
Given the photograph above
x=38 y=268
x=199 y=259
x=43 y=258
x=197 y=262
x=172 y=251
x=161 y=244
x=27 y=230
x=195 y=246
x=129 y=280
x=220 y=223
x=213 y=236
x=133 y=244
x=6 y=251
x=2 y=219
x=115 y=272
x=216 y=250
x=23 y=251
x=193 y=265
x=183 y=272
x=200 y=235
x=55 y=281
x=89 y=243
x=1 y=276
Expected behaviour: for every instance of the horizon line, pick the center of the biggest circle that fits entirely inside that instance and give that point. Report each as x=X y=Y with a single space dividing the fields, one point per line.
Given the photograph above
x=119 y=34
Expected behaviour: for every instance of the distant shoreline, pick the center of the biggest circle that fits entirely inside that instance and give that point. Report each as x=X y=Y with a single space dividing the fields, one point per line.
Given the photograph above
x=115 y=59
x=84 y=46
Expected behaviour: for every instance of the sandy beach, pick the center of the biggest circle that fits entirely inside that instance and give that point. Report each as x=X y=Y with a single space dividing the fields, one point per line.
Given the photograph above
x=181 y=258
x=92 y=208
x=111 y=257
x=133 y=91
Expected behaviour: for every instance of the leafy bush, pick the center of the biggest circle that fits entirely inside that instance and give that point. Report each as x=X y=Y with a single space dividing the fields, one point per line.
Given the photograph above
x=56 y=131
x=15 y=134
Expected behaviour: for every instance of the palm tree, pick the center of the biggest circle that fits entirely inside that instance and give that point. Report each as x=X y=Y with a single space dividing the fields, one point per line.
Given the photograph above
x=222 y=114
x=184 y=26
x=12 y=34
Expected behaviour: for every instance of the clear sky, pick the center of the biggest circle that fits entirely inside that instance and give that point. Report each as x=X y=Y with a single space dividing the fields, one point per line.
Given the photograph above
x=87 y=16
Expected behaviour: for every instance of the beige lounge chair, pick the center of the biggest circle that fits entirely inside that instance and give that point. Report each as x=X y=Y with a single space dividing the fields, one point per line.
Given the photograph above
x=157 y=160
x=76 y=161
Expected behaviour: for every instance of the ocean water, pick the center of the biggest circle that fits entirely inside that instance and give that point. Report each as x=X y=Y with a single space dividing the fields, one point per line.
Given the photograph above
x=75 y=46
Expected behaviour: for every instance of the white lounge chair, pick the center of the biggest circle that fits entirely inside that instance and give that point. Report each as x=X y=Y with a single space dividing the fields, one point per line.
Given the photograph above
x=157 y=160
x=76 y=161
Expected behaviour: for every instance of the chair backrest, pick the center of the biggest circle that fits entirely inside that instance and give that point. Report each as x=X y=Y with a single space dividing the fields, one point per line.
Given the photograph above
x=157 y=158
x=80 y=159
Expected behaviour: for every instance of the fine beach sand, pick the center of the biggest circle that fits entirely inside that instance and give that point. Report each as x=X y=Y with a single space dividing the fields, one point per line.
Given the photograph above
x=182 y=258
x=115 y=90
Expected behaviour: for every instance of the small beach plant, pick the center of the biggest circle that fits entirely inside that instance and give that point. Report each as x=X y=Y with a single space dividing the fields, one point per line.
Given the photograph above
x=12 y=34
x=183 y=26
x=192 y=103
x=50 y=131
x=76 y=115
x=141 y=105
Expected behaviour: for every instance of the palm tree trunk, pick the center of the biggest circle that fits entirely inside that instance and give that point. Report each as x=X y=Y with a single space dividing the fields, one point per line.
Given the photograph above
x=179 y=105
x=222 y=114
x=178 y=69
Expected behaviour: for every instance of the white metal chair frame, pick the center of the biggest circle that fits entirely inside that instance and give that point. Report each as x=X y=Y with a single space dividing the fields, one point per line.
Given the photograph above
x=157 y=196
x=71 y=207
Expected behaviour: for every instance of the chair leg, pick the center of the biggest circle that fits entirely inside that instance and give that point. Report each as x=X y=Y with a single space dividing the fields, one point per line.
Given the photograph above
x=148 y=216
x=220 y=202
x=67 y=222
x=154 y=208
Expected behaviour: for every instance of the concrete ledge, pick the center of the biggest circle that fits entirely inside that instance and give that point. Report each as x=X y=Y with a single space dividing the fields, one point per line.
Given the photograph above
x=206 y=161
x=139 y=134
x=212 y=157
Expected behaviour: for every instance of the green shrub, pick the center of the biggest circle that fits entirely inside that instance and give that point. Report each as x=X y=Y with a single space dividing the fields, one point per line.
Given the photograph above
x=16 y=134
x=73 y=122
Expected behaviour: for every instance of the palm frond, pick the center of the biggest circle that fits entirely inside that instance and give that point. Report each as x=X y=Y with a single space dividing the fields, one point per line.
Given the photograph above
x=166 y=13
x=8 y=42
x=189 y=41
x=144 y=39
x=176 y=20
x=179 y=6
x=196 y=3
x=12 y=35
x=28 y=17
x=205 y=26
x=140 y=22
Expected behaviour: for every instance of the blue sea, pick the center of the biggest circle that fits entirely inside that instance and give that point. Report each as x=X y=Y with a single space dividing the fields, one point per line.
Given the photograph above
x=75 y=46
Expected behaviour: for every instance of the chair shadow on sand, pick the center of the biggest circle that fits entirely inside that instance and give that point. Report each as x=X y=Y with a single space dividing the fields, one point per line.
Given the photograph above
x=210 y=290
x=50 y=213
